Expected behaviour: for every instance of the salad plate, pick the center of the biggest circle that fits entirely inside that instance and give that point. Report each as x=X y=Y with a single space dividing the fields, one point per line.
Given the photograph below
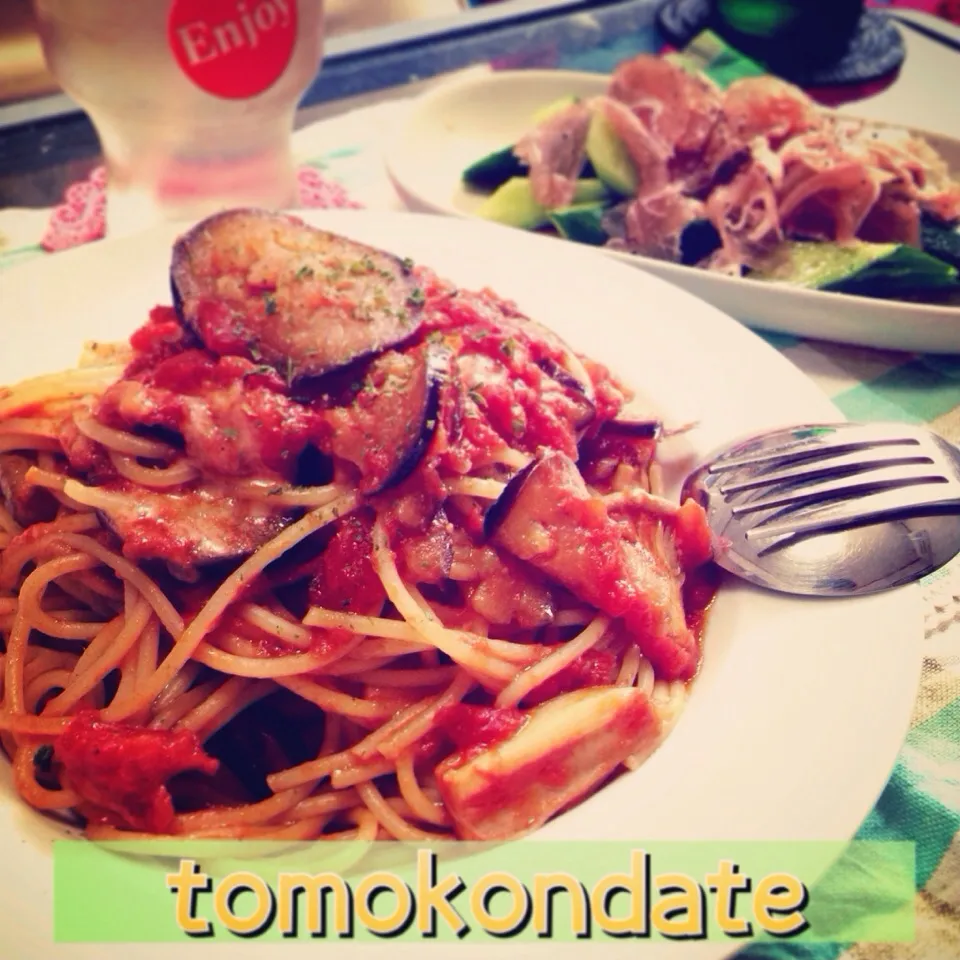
x=460 y=122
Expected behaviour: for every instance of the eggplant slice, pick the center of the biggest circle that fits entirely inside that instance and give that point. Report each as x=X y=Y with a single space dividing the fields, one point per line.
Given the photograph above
x=190 y=528
x=387 y=429
x=274 y=289
x=547 y=517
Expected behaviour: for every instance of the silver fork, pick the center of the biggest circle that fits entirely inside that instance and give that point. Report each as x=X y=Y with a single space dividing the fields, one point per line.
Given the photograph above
x=833 y=509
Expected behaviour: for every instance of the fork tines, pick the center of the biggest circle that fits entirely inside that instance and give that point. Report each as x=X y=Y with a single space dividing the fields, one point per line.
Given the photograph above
x=828 y=478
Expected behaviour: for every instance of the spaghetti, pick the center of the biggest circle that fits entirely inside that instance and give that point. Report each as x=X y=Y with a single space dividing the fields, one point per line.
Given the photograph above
x=428 y=590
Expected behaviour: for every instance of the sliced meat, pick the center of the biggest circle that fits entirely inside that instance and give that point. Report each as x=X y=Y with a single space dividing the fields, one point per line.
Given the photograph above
x=387 y=429
x=186 y=528
x=679 y=107
x=270 y=287
x=653 y=223
x=828 y=204
x=555 y=152
x=27 y=504
x=746 y=216
x=768 y=107
x=548 y=518
x=894 y=218
x=919 y=170
x=559 y=753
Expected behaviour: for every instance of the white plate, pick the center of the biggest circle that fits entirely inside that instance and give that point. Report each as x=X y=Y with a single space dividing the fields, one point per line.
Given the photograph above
x=792 y=728
x=458 y=122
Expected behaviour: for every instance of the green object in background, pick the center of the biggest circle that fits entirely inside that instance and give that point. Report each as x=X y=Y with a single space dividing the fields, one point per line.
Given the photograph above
x=868 y=269
x=709 y=54
x=791 y=37
x=513 y=203
x=758 y=18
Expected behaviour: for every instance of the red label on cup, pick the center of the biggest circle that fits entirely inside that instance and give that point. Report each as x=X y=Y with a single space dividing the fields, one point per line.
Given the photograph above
x=233 y=48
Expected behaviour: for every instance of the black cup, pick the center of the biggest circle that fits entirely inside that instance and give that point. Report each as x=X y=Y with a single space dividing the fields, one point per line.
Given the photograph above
x=791 y=37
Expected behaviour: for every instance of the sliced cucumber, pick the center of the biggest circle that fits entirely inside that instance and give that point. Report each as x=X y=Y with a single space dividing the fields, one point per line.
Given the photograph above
x=582 y=223
x=545 y=113
x=494 y=169
x=940 y=240
x=497 y=168
x=609 y=157
x=513 y=203
x=888 y=270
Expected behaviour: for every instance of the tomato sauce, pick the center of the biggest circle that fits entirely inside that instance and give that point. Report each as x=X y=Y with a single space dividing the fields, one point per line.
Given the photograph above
x=160 y=337
x=346 y=579
x=473 y=729
x=595 y=668
x=122 y=770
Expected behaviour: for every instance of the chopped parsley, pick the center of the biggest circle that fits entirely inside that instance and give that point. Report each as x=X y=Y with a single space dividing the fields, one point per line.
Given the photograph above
x=230 y=433
x=364 y=265
x=476 y=396
x=305 y=271
x=407 y=264
x=509 y=347
x=254 y=350
x=417 y=297
x=261 y=370
x=270 y=304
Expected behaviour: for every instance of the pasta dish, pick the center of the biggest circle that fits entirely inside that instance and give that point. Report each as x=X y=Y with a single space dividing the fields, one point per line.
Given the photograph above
x=334 y=549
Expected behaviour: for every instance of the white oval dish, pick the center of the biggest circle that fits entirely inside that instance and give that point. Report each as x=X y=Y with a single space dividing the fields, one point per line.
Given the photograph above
x=458 y=122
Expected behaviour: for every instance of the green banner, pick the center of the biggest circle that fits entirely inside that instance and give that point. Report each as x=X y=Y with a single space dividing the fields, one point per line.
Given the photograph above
x=527 y=890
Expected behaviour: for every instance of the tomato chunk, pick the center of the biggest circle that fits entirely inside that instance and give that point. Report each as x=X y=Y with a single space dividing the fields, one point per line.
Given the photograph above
x=123 y=769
